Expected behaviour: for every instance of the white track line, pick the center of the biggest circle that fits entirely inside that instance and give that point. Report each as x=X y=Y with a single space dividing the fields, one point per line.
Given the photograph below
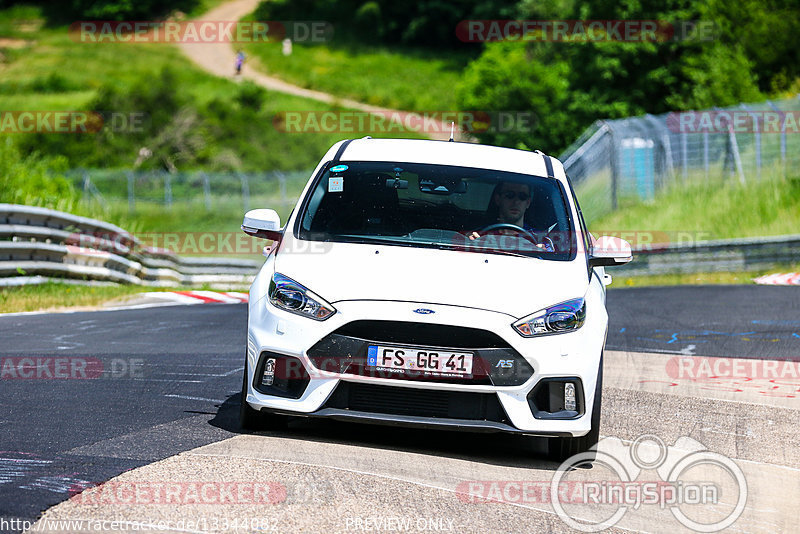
x=779 y=279
x=194 y=398
x=213 y=295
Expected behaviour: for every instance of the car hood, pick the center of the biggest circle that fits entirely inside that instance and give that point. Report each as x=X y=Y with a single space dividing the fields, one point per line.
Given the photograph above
x=506 y=284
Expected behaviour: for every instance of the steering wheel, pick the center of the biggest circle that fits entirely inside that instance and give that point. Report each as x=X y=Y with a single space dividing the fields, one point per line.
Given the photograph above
x=526 y=234
x=500 y=226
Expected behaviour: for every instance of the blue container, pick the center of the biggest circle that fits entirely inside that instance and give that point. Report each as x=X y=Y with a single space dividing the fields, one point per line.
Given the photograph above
x=637 y=166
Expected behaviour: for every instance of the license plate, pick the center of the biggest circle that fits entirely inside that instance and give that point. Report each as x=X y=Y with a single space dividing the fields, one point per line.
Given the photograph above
x=419 y=361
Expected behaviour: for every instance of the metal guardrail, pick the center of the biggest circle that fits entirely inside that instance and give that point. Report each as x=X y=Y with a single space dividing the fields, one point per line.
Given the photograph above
x=747 y=254
x=39 y=243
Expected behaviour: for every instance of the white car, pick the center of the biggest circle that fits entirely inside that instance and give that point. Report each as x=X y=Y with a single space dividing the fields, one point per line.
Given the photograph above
x=432 y=284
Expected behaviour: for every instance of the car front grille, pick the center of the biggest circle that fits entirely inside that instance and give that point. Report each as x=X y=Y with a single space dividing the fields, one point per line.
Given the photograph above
x=391 y=400
x=422 y=334
x=495 y=362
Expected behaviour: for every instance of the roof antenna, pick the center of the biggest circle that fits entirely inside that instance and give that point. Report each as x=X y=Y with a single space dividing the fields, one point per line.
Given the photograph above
x=452 y=130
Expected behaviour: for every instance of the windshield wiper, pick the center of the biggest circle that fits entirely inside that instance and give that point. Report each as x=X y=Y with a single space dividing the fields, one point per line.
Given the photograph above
x=433 y=244
x=481 y=250
x=496 y=251
x=376 y=239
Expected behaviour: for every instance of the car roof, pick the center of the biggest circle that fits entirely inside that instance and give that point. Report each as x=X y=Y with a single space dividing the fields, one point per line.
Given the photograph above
x=447 y=153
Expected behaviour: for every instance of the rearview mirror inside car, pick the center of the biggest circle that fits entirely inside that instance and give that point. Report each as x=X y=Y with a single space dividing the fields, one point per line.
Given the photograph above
x=396 y=183
x=443 y=187
x=608 y=251
x=263 y=223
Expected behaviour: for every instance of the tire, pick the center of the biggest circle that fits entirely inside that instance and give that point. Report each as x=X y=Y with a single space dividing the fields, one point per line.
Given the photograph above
x=559 y=449
x=251 y=419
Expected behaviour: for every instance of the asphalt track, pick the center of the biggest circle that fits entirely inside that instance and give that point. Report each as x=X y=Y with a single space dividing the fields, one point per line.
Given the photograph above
x=170 y=381
x=727 y=321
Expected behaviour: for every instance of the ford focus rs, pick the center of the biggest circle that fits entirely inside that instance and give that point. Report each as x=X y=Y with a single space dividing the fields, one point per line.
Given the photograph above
x=432 y=284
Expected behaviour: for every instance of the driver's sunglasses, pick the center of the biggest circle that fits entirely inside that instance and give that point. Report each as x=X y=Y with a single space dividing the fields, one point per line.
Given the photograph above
x=511 y=195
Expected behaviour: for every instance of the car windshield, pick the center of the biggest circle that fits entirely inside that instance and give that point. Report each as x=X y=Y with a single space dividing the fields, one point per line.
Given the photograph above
x=439 y=206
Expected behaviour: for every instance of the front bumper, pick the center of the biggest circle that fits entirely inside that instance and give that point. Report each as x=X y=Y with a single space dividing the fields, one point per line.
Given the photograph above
x=336 y=387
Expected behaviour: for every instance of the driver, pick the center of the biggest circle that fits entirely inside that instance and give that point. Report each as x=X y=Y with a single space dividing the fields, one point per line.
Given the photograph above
x=510 y=201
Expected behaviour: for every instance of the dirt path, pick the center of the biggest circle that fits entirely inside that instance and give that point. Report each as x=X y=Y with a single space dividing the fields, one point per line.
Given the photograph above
x=219 y=58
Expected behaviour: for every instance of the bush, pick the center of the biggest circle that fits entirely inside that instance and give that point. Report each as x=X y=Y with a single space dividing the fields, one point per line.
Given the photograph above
x=571 y=85
x=70 y=10
x=251 y=96
x=34 y=180
x=430 y=23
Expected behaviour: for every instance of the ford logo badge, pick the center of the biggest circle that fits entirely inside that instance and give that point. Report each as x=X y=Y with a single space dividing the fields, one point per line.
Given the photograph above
x=424 y=311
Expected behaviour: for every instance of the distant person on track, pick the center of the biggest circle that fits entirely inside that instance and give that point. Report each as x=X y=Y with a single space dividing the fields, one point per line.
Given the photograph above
x=240 y=57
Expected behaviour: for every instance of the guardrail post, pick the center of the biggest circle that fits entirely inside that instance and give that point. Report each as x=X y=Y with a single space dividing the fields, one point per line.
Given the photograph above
x=85 y=184
x=783 y=141
x=206 y=191
x=705 y=154
x=282 y=187
x=245 y=191
x=614 y=165
x=131 y=197
x=757 y=135
x=685 y=156
x=737 y=159
x=168 y=189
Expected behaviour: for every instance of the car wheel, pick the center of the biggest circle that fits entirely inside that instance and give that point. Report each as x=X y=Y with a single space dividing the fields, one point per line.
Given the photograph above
x=251 y=419
x=559 y=449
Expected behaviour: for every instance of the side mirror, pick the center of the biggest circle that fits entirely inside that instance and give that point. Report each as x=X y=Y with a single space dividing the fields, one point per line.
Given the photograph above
x=263 y=223
x=609 y=251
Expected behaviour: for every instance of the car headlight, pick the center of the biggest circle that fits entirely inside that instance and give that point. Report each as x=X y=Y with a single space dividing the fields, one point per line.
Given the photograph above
x=288 y=295
x=565 y=317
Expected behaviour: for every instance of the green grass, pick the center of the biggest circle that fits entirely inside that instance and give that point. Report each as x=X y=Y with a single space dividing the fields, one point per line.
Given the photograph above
x=89 y=66
x=714 y=210
x=396 y=78
x=20 y=22
x=683 y=279
x=54 y=296
x=54 y=72
x=204 y=6
x=86 y=67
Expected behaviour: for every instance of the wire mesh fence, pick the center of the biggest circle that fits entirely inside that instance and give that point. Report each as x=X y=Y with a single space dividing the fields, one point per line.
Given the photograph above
x=614 y=161
x=196 y=189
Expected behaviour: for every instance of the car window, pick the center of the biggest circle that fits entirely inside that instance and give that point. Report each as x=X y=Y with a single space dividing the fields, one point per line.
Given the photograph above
x=423 y=205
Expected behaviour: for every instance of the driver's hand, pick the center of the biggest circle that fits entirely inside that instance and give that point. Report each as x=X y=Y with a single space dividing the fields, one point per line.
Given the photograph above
x=474 y=235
